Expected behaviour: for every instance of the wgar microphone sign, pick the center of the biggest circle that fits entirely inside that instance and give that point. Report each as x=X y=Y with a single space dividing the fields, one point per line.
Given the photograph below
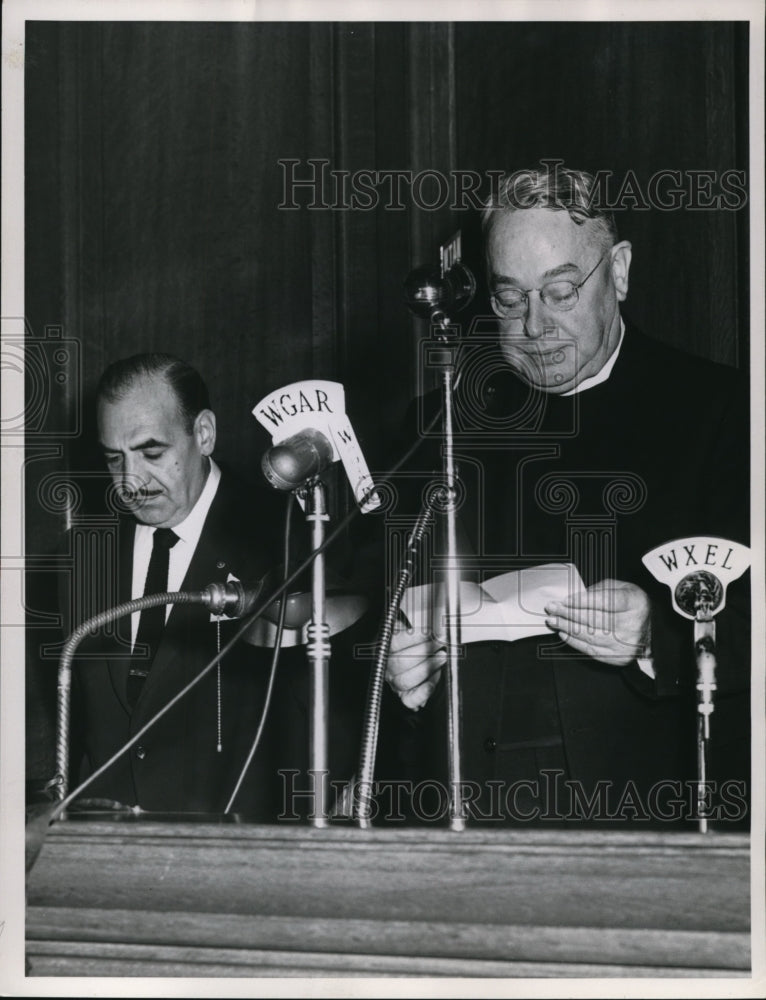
x=312 y=407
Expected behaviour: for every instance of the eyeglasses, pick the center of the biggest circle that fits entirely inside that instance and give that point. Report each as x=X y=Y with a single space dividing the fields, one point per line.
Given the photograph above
x=558 y=295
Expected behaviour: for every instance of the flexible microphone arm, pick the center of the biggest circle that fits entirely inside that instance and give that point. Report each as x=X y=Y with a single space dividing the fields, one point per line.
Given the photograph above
x=363 y=804
x=229 y=598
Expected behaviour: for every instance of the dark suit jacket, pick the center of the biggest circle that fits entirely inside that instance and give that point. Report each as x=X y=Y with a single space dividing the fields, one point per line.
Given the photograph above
x=176 y=766
x=657 y=452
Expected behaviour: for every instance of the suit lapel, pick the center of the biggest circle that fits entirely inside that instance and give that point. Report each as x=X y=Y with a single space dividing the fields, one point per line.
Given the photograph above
x=222 y=550
x=209 y=564
x=120 y=667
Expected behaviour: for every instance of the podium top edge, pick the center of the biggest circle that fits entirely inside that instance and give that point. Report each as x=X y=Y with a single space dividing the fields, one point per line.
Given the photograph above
x=201 y=827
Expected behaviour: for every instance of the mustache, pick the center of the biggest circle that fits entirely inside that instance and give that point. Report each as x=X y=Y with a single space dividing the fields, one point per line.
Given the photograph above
x=137 y=496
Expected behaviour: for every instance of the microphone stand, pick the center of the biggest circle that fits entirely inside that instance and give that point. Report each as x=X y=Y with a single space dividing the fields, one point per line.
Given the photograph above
x=428 y=294
x=699 y=595
x=705 y=654
x=452 y=601
x=318 y=650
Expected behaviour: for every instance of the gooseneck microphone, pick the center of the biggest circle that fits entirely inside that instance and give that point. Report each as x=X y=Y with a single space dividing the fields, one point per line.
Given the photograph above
x=295 y=460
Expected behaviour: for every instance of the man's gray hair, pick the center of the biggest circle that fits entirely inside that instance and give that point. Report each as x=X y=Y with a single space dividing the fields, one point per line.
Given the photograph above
x=185 y=382
x=554 y=187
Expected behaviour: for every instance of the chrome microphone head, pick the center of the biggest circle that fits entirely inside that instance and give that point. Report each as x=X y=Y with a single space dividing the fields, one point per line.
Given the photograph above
x=424 y=291
x=427 y=292
x=462 y=285
x=292 y=462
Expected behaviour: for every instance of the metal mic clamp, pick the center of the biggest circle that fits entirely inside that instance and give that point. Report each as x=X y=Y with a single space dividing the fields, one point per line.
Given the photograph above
x=231 y=599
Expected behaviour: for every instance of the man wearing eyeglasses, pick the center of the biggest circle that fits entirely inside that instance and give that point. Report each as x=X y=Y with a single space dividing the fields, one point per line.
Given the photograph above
x=591 y=445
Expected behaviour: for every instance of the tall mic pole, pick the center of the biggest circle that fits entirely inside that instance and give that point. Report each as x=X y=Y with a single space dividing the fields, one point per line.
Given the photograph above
x=318 y=652
x=295 y=464
x=428 y=295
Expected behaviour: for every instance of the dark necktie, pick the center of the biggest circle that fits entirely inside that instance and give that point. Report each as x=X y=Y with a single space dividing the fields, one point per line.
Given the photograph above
x=152 y=620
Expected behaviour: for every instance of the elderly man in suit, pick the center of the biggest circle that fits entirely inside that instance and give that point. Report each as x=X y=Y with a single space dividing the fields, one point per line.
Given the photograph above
x=189 y=525
x=589 y=444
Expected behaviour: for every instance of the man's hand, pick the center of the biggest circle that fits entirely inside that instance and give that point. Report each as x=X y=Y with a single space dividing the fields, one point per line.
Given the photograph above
x=609 y=621
x=414 y=667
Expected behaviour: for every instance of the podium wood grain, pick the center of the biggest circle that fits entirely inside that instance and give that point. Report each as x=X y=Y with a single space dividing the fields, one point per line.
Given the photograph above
x=199 y=900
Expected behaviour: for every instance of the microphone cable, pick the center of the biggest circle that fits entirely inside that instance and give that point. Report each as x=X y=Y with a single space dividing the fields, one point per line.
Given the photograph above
x=274 y=658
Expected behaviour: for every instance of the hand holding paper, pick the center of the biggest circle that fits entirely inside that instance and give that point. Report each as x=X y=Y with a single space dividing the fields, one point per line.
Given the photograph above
x=507 y=607
x=609 y=621
x=414 y=667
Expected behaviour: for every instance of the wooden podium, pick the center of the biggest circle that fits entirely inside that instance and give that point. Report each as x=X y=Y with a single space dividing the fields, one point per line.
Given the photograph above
x=156 y=898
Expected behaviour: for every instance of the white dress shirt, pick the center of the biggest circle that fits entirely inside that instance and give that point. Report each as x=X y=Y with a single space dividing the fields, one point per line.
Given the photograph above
x=188 y=532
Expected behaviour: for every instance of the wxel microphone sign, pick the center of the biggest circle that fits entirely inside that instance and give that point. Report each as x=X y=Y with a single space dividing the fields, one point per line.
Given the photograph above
x=685 y=562
x=319 y=405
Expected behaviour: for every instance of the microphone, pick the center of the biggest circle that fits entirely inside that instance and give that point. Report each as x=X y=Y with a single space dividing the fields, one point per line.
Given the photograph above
x=432 y=293
x=233 y=599
x=292 y=462
x=309 y=431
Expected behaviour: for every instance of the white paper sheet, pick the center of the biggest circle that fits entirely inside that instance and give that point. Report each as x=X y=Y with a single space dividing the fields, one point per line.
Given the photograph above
x=505 y=608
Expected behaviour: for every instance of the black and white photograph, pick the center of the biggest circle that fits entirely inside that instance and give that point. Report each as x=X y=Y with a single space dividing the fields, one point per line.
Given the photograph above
x=383 y=499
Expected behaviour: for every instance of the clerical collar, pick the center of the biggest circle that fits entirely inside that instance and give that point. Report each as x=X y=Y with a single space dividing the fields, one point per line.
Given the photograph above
x=604 y=373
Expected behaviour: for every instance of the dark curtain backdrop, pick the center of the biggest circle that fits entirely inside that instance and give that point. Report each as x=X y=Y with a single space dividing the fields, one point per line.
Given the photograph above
x=153 y=218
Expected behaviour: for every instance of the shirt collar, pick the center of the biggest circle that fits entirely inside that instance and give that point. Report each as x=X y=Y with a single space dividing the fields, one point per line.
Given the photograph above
x=605 y=372
x=190 y=528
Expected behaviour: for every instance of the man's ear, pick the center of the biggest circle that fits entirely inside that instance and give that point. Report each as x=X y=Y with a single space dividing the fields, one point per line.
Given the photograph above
x=621 y=254
x=204 y=431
